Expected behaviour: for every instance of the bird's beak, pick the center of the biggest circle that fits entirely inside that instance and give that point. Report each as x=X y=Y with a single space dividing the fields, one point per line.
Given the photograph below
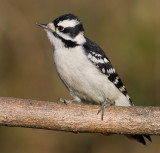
x=49 y=26
x=44 y=26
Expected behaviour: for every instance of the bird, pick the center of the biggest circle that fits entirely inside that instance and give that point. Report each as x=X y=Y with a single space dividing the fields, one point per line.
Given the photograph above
x=84 y=68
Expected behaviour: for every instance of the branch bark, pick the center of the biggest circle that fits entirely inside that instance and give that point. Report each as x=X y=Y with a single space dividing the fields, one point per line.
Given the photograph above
x=79 y=117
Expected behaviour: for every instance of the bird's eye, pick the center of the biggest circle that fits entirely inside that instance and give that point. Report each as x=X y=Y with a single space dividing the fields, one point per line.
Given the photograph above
x=60 y=28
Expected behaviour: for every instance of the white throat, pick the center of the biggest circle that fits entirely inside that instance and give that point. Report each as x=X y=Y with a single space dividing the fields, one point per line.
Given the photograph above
x=57 y=43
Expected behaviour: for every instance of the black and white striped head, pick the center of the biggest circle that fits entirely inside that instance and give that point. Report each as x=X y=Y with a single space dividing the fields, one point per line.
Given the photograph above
x=65 y=31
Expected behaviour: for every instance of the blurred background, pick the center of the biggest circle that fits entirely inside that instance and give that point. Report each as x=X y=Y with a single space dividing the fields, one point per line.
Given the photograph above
x=129 y=33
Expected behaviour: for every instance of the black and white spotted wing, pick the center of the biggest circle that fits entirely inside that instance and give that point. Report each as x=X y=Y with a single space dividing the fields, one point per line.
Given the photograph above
x=96 y=55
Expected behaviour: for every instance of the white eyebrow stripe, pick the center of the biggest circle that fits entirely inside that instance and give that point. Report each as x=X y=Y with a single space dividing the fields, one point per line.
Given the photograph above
x=68 y=23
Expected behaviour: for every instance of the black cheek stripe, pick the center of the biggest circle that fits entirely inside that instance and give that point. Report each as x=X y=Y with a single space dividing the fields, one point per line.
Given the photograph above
x=67 y=43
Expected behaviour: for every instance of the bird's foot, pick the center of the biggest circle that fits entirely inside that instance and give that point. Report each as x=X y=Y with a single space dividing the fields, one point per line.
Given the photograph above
x=65 y=101
x=104 y=105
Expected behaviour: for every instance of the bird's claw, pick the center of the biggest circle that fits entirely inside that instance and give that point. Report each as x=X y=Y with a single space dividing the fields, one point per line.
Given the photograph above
x=64 y=101
x=104 y=105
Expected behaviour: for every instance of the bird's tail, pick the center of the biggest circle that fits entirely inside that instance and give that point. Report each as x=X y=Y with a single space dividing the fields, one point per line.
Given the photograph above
x=140 y=138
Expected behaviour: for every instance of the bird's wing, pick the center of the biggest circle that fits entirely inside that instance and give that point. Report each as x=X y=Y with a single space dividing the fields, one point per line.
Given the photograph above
x=97 y=56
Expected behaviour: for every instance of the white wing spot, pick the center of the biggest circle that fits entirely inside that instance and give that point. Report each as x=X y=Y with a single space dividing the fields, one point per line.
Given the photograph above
x=105 y=60
x=98 y=55
x=114 y=70
x=122 y=88
x=96 y=60
x=101 y=61
x=111 y=70
x=103 y=70
x=93 y=59
x=116 y=81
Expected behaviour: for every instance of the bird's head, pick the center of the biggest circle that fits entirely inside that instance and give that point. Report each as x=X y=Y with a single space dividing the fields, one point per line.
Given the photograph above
x=66 y=30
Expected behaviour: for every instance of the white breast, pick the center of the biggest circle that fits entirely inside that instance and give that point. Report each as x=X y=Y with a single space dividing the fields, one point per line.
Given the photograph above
x=83 y=79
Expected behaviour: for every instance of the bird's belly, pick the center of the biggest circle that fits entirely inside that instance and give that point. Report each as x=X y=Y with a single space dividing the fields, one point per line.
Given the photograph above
x=82 y=77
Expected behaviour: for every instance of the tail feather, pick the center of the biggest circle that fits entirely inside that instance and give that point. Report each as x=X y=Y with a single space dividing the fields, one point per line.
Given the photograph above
x=148 y=137
x=140 y=138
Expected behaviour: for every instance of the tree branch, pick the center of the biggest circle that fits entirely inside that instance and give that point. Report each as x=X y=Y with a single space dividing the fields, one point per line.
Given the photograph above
x=79 y=117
